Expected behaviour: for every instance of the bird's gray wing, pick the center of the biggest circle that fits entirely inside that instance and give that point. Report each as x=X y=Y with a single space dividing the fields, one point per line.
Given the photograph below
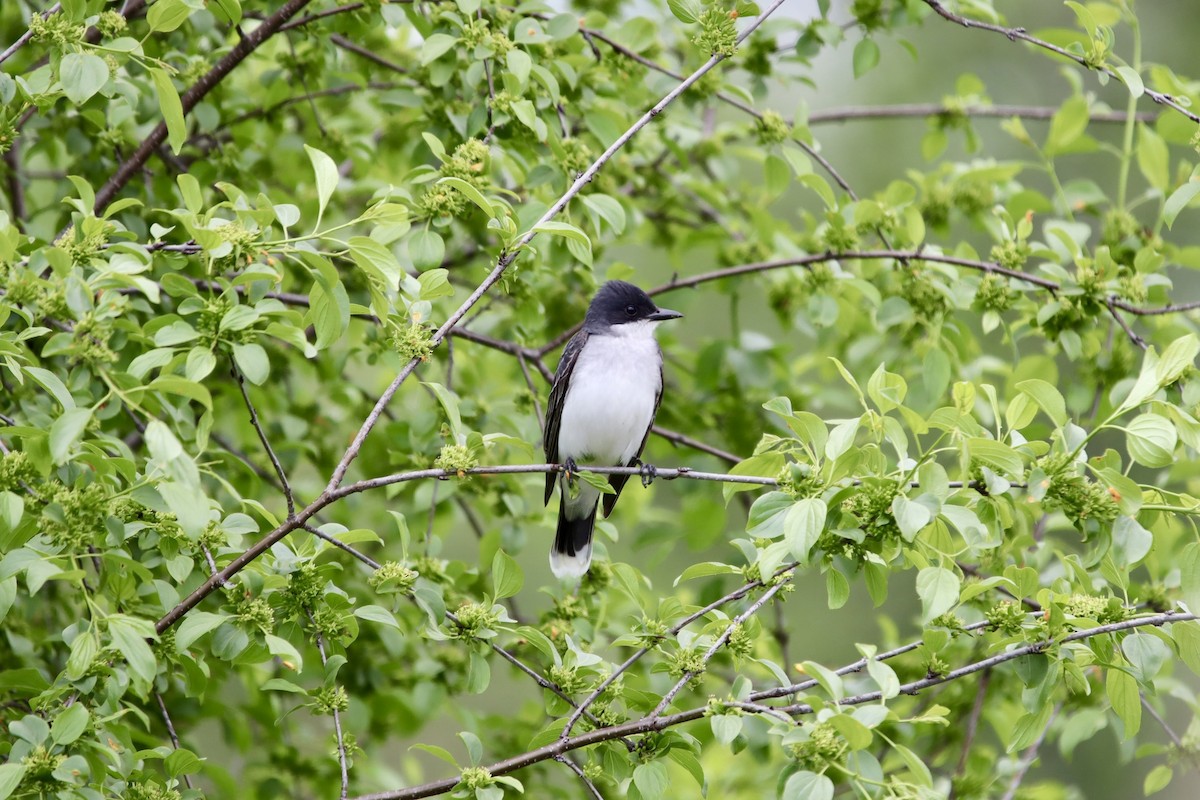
x=558 y=398
x=617 y=482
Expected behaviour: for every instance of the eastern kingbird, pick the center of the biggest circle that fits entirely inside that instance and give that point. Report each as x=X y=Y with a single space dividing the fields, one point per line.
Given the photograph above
x=602 y=405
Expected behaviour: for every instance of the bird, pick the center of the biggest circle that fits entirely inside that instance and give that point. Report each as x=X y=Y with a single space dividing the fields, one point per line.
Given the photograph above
x=605 y=396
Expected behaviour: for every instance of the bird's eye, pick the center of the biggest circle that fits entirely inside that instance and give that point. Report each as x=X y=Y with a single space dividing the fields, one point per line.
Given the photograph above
x=631 y=310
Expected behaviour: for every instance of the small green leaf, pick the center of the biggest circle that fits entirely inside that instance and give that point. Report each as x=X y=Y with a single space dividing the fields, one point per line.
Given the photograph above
x=327 y=178
x=1067 y=125
x=252 y=361
x=82 y=75
x=435 y=46
x=911 y=517
x=1151 y=440
x=165 y=16
x=1153 y=158
x=938 y=589
x=10 y=778
x=1132 y=80
x=1048 y=398
x=507 y=578
x=426 y=248
x=519 y=65
x=195 y=625
x=806 y=785
x=1123 y=696
x=686 y=11
x=66 y=432
x=1179 y=200
x=377 y=614
x=866 y=56
x=376 y=260
x=471 y=193
x=566 y=230
x=172 y=109
x=1157 y=779
x=599 y=482
x=651 y=780
x=69 y=724
x=725 y=727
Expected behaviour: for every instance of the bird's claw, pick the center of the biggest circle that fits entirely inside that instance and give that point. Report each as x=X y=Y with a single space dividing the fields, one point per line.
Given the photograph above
x=648 y=473
x=570 y=469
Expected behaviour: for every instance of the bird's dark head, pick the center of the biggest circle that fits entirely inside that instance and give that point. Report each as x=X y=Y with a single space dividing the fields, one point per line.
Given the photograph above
x=624 y=307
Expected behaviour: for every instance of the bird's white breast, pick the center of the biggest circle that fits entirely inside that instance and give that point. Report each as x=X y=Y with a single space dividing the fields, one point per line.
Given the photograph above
x=610 y=399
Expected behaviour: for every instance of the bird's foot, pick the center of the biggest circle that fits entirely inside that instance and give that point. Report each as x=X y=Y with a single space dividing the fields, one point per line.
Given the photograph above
x=648 y=473
x=571 y=470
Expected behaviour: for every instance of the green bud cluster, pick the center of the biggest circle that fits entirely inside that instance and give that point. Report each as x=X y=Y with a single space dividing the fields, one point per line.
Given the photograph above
x=1007 y=617
x=1010 y=254
x=15 y=469
x=456 y=458
x=718 y=34
x=740 y=642
x=56 y=30
x=330 y=623
x=687 y=661
x=329 y=699
x=471 y=620
x=474 y=778
x=823 y=747
x=414 y=341
x=994 y=294
x=393 y=577
x=8 y=135
x=1077 y=497
x=1104 y=610
x=771 y=128
x=148 y=790
x=74 y=518
x=40 y=763
x=111 y=24
x=568 y=679
x=255 y=613
x=303 y=589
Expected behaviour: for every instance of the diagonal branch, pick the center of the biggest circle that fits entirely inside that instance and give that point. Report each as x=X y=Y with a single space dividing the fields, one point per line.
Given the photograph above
x=262 y=437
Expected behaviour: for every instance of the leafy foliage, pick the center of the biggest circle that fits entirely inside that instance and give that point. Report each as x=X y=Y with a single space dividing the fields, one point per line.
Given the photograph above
x=233 y=230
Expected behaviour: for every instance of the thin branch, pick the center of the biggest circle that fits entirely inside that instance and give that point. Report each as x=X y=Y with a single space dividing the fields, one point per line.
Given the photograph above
x=507 y=258
x=1110 y=304
x=665 y=703
x=533 y=393
x=695 y=444
x=162 y=709
x=591 y=787
x=1171 y=734
x=329 y=12
x=648 y=725
x=337 y=718
x=736 y=594
x=1019 y=34
x=922 y=110
x=189 y=99
x=262 y=437
x=369 y=55
x=361 y=556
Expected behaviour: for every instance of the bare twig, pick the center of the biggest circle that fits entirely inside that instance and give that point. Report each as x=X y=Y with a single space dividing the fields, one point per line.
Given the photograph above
x=266 y=443
x=922 y=110
x=1019 y=34
x=369 y=55
x=587 y=782
x=337 y=717
x=1171 y=734
x=972 y=726
x=162 y=709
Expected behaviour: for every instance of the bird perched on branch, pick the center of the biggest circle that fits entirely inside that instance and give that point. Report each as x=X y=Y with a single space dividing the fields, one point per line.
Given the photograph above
x=602 y=405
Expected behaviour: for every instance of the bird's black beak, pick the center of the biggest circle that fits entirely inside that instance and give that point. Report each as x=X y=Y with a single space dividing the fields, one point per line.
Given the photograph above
x=664 y=314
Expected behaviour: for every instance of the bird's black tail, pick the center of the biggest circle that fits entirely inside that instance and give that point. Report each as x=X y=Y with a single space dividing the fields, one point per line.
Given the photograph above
x=572 y=552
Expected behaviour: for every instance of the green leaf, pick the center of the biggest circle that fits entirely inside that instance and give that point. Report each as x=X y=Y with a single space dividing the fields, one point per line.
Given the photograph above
x=1047 y=397
x=866 y=56
x=910 y=517
x=706 y=569
x=471 y=193
x=439 y=752
x=997 y=455
x=376 y=260
x=66 y=432
x=725 y=727
x=1132 y=80
x=858 y=736
x=507 y=578
x=1153 y=158
x=1179 y=200
x=10 y=778
x=1067 y=125
x=82 y=75
x=651 y=780
x=938 y=589
x=426 y=249
x=435 y=47
x=181 y=761
x=1179 y=355
x=377 y=614
x=596 y=481
x=1157 y=779
x=129 y=636
x=172 y=109
x=327 y=178
x=1189 y=576
x=435 y=283
x=519 y=64
x=1123 y=695
x=167 y=15
x=829 y=680
x=806 y=785
x=195 y=625
x=449 y=403
x=803 y=525
x=837 y=588
x=1147 y=654
x=686 y=11
x=52 y=384
x=566 y=230
x=1151 y=440
x=252 y=361
x=69 y=724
